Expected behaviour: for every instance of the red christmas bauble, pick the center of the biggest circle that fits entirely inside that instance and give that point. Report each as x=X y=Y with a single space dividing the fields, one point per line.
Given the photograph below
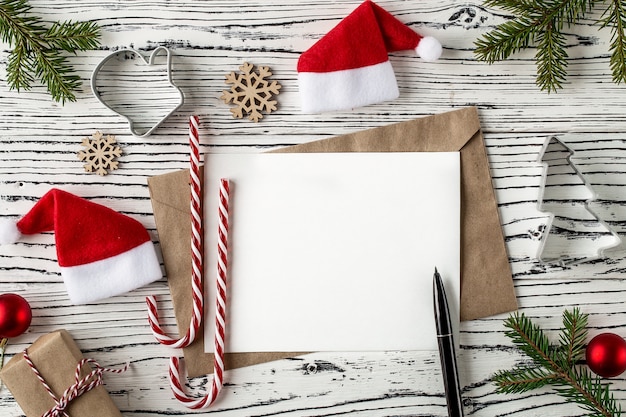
x=15 y=315
x=606 y=355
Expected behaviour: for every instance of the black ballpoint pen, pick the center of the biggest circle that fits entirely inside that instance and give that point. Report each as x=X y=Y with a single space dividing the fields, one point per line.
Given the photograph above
x=447 y=353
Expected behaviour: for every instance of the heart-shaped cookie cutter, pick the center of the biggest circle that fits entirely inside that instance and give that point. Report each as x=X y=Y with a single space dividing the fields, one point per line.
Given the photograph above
x=150 y=61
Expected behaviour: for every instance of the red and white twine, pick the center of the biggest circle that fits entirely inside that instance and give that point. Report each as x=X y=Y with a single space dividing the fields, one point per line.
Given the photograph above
x=81 y=386
x=196 y=284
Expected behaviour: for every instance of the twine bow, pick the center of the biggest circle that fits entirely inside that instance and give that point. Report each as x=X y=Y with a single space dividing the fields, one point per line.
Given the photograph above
x=81 y=385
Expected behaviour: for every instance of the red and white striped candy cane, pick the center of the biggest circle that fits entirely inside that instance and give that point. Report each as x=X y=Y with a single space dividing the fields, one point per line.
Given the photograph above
x=220 y=314
x=196 y=253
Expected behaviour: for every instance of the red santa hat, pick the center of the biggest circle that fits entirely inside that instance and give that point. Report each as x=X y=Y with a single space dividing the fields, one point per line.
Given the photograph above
x=101 y=252
x=349 y=67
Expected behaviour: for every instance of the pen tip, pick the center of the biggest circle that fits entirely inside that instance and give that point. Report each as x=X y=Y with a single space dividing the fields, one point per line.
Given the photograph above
x=436 y=278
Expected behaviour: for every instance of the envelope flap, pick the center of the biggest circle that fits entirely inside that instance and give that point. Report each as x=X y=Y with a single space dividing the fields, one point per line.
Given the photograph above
x=447 y=132
x=170 y=196
x=166 y=189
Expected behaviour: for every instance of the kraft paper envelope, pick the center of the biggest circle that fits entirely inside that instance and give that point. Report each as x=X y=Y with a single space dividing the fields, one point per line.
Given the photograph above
x=486 y=279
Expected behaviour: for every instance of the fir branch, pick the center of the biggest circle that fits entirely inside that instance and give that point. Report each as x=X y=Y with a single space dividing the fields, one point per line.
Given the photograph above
x=505 y=40
x=615 y=17
x=522 y=379
x=37 y=49
x=18 y=73
x=521 y=7
x=551 y=58
x=540 y=24
x=530 y=339
x=556 y=365
x=573 y=337
x=591 y=394
x=73 y=36
x=55 y=72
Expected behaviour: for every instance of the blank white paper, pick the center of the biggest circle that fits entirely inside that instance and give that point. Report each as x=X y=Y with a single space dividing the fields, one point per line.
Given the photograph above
x=333 y=251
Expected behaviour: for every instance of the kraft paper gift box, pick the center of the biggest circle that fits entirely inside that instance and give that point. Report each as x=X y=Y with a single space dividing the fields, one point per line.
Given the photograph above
x=56 y=357
x=486 y=279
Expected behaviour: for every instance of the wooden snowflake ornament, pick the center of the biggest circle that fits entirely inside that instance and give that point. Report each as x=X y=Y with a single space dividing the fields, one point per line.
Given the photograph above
x=251 y=92
x=100 y=153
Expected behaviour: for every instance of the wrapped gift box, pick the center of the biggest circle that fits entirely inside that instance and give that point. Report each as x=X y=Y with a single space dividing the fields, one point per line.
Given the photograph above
x=56 y=356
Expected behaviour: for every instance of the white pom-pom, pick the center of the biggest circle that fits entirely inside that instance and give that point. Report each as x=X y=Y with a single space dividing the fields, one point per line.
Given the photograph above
x=9 y=233
x=429 y=49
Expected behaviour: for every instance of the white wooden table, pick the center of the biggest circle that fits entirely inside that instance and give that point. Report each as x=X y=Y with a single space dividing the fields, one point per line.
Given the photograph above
x=39 y=140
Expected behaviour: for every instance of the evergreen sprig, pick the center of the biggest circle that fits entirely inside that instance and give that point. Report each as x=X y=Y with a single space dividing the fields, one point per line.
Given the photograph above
x=540 y=23
x=556 y=365
x=37 y=49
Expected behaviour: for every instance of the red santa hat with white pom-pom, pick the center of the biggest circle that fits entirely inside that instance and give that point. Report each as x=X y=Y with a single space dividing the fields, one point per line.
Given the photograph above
x=349 y=67
x=101 y=252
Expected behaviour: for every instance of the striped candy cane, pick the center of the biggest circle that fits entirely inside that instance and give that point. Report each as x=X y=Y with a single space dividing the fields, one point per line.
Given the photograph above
x=196 y=253
x=196 y=284
x=220 y=314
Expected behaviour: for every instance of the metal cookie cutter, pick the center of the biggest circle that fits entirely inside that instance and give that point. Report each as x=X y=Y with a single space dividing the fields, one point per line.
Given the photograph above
x=120 y=95
x=573 y=232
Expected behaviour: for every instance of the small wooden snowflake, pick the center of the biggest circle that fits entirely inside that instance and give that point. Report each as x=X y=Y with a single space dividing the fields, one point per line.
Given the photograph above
x=251 y=92
x=99 y=153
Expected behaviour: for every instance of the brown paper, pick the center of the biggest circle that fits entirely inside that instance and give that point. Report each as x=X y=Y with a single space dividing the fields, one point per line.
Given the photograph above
x=486 y=280
x=56 y=356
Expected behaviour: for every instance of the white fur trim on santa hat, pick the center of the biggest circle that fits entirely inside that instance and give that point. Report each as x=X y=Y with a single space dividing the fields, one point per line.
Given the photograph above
x=429 y=49
x=347 y=89
x=112 y=276
x=9 y=233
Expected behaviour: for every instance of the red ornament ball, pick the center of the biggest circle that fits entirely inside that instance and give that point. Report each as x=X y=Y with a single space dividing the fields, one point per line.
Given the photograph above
x=606 y=355
x=15 y=315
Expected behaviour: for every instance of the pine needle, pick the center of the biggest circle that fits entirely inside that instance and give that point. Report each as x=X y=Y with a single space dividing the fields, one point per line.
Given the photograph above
x=556 y=365
x=615 y=17
x=540 y=24
x=37 y=49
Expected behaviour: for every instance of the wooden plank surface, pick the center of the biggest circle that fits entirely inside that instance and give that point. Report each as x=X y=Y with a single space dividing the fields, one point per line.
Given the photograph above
x=39 y=140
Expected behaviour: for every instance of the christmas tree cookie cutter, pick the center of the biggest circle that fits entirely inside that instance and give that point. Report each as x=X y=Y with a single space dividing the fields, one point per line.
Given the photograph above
x=120 y=91
x=574 y=233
